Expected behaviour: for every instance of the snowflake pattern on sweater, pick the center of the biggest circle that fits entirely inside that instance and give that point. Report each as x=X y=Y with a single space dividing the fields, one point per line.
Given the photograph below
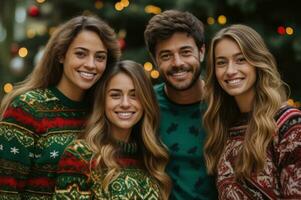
x=35 y=129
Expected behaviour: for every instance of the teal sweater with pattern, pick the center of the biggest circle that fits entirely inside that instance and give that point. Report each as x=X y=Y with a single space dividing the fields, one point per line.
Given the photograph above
x=182 y=131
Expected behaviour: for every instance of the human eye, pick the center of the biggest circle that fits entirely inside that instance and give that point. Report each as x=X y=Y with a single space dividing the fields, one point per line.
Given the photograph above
x=186 y=52
x=165 y=56
x=220 y=63
x=101 y=57
x=240 y=60
x=115 y=95
x=80 y=54
x=132 y=95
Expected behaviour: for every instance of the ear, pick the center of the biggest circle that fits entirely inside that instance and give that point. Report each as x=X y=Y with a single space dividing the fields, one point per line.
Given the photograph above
x=202 y=53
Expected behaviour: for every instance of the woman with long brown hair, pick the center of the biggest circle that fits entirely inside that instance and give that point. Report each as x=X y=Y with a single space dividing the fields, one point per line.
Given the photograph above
x=46 y=111
x=120 y=156
x=254 y=137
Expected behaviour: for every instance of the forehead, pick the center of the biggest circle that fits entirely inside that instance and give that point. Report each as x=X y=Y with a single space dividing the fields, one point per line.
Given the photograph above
x=226 y=47
x=121 y=81
x=89 y=39
x=175 y=42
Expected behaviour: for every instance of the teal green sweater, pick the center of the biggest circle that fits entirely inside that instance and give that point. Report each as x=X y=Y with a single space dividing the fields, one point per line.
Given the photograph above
x=182 y=131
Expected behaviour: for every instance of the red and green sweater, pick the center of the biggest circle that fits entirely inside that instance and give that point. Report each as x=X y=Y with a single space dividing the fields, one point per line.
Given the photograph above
x=35 y=129
x=78 y=178
x=281 y=176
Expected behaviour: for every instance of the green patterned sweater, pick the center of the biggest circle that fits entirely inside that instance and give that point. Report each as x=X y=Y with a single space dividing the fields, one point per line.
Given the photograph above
x=78 y=180
x=35 y=129
x=182 y=132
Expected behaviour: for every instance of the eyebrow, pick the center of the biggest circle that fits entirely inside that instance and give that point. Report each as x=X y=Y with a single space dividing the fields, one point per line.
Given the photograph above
x=84 y=49
x=181 y=48
x=118 y=90
x=235 y=55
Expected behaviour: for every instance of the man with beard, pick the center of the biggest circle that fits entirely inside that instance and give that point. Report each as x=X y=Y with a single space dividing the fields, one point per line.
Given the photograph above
x=175 y=41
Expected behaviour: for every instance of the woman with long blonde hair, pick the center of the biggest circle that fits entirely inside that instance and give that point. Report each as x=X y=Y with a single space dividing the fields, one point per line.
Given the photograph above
x=254 y=137
x=46 y=111
x=120 y=156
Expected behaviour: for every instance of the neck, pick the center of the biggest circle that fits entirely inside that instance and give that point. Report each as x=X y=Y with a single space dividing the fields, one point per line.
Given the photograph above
x=192 y=95
x=245 y=103
x=121 y=135
x=74 y=96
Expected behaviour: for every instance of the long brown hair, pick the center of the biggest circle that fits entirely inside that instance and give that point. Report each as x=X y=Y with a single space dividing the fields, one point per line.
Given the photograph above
x=49 y=70
x=100 y=140
x=222 y=108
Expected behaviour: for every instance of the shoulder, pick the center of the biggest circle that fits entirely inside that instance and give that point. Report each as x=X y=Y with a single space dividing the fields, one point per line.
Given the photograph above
x=34 y=98
x=159 y=88
x=24 y=109
x=288 y=135
x=287 y=117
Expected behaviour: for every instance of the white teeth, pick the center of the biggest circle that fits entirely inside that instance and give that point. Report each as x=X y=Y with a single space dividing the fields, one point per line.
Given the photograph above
x=124 y=115
x=234 y=81
x=182 y=73
x=86 y=75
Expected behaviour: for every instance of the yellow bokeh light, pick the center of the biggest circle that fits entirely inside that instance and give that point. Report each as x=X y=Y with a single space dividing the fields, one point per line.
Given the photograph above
x=289 y=30
x=125 y=3
x=40 y=1
x=290 y=102
x=210 y=20
x=23 y=52
x=30 y=33
x=118 y=6
x=152 y=9
x=222 y=19
x=98 y=4
x=8 y=87
x=148 y=66
x=155 y=74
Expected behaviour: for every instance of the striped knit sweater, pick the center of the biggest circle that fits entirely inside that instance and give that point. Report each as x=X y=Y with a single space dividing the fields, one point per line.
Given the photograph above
x=36 y=128
x=78 y=178
x=281 y=176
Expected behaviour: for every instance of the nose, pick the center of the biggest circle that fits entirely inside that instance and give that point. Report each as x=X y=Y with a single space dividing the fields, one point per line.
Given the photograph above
x=90 y=62
x=125 y=102
x=177 y=60
x=231 y=69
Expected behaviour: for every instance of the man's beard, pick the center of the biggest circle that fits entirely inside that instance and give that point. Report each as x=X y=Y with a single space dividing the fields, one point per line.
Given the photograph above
x=178 y=87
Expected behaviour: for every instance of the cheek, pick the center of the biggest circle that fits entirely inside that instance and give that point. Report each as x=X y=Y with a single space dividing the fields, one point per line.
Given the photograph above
x=140 y=108
x=218 y=74
x=101 y=66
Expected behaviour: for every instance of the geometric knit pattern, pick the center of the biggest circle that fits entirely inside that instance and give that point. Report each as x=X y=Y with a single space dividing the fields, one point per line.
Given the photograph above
x=181 y=130
x=280 y=177
x=36 y=128
x=78 y=178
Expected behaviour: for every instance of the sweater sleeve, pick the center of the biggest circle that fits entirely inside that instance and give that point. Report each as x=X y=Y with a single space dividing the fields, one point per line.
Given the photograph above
x=73 y=181
x=289 y=152
x=16 y=148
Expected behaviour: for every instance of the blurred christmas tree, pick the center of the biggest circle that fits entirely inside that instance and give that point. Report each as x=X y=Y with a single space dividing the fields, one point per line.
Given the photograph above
x=25 y=26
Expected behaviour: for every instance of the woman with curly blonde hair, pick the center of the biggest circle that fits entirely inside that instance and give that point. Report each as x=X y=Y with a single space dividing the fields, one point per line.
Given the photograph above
x=120 y=156
x=254 y=137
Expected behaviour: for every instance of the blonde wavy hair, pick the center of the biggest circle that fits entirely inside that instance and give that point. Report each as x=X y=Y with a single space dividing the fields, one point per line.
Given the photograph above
x=222 y=108
x=145 y=132
x=49 y=70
